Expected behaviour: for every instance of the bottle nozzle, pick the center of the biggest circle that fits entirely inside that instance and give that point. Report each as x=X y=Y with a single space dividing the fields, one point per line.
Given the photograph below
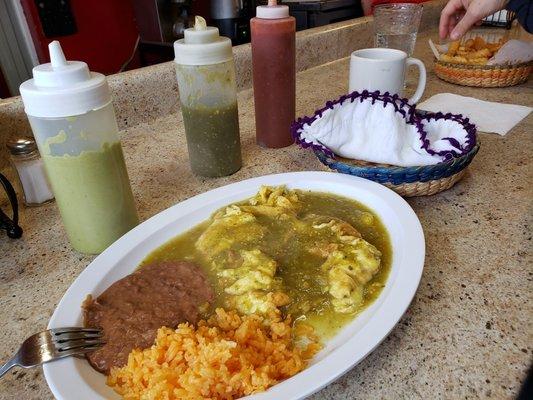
x=199 y=23
x=57 y=58
x=200 y=33
x=272 y=10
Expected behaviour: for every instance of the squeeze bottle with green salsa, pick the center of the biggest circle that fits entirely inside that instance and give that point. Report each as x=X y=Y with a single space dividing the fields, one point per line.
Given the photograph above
x=74 y=124
x=208 y=94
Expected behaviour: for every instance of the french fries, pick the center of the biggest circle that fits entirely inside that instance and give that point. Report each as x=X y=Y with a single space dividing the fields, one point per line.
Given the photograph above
x=453 y=59
x=483 y=53
x=479 y=43
x=452 y=48
x=474 y=51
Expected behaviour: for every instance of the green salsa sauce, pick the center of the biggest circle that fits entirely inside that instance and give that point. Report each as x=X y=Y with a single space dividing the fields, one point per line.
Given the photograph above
x=213 y=139
x=93 y=194
x=298 y=269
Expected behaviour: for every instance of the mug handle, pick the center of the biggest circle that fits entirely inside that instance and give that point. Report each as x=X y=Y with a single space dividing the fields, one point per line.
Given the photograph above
x=421 y=79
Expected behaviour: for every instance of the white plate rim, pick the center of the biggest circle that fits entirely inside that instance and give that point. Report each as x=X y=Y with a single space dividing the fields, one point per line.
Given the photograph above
x=339 y=361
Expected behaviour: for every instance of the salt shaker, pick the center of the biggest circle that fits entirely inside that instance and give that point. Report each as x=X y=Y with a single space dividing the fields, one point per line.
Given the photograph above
x=29 y=166
x=72 y=118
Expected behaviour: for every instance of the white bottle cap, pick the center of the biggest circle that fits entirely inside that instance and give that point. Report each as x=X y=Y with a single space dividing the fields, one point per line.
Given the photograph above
x=202 y=45
x=272 y=11
x=63 y=88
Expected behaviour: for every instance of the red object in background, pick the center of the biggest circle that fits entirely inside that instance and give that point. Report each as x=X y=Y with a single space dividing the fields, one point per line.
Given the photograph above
x=4 y=90
x=105 y=38
x=374 y=3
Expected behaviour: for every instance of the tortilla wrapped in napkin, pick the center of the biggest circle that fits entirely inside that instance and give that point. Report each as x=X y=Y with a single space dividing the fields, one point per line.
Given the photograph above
x=384 y=128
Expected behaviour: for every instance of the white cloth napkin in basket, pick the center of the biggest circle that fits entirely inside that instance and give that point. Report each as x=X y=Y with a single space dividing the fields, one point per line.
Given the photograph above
x=380 y=128
x=489 y=117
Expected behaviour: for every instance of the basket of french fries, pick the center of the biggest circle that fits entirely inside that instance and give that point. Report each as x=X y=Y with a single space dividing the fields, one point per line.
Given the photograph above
x=474 y=61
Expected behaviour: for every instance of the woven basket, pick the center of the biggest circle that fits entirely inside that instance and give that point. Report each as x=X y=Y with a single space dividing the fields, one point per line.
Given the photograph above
x=406 y=181
x=483 y=75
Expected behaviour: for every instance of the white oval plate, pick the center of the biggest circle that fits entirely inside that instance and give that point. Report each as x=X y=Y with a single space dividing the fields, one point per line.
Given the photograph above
x=73 y=378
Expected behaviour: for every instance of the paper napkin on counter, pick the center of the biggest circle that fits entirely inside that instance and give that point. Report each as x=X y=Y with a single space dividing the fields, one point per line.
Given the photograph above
x=491 y=117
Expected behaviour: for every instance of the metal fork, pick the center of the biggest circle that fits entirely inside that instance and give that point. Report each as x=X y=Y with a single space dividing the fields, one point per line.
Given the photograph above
x=53 y=344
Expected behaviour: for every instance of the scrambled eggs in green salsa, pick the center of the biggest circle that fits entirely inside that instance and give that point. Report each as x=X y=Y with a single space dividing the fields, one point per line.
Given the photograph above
x=306 y=254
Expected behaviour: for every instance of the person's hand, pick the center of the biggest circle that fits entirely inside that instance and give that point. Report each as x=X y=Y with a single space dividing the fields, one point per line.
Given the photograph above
x=460 y=15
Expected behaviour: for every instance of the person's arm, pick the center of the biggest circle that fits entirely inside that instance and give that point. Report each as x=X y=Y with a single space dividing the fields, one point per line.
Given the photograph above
x=524 y=12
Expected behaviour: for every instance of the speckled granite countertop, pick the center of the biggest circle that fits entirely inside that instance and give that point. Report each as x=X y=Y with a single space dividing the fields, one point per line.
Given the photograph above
x=468 y=332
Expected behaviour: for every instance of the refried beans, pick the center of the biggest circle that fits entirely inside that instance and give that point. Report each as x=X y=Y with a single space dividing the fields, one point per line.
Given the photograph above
x=132 y=309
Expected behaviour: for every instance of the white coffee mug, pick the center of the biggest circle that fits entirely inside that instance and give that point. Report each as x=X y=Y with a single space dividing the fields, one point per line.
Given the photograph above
x=384 y=70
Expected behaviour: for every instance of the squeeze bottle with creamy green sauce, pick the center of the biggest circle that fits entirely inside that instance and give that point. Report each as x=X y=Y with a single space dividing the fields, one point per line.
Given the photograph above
x=208 y=94
x=74 y=124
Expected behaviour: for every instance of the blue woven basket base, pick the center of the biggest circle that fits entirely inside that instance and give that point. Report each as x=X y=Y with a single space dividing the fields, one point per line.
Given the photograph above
x=399 y=175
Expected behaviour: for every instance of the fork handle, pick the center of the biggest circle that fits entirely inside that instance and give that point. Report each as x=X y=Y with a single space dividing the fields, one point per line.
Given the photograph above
x=7 y=366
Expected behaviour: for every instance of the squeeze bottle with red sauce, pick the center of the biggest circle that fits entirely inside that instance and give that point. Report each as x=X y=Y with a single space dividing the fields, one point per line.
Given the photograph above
x=274 y=74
